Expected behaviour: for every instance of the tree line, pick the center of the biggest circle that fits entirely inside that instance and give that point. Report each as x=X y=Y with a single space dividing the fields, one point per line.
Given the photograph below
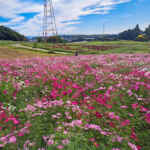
x=9 y=34
x=135 y=34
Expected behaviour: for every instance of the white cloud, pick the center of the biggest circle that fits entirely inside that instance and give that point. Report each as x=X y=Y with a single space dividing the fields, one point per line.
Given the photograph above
x=68 y=13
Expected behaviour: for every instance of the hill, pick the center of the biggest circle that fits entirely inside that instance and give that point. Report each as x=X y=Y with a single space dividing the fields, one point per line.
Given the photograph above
x=9 y=34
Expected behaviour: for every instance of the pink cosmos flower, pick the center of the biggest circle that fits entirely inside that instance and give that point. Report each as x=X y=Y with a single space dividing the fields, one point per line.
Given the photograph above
x=27 y=82
x=139 y=147
x=108 y=106
x=117 y=138
x=39 y=104
x=92 y=139
x=123 y=106
x=77 y=123
x=113 y=116
x=136 y=87
x=3 y=139
x=133 y=134
x=112 y=124
x=2 y=145
x=91 y=107
x=15 y=121
x=50 y=142
x=130 y=92
x=147 y=116
x=12 y=139
x=2 y=115
x=93 y=126
x=30 y=108
x=20 y=134
x=60 y=146
x=75 y=86
x=69 y=91
x=12 y=118
x=65 y=132
x=96 y=145
x=125 y=123
x=65 y=141
x=143 y=109
x=64 y=93
x=28 y=124
x=5 y=92
x=134 y=106
x=131 y=115
x=132 y=146
x=98 y=115
x=74 y=103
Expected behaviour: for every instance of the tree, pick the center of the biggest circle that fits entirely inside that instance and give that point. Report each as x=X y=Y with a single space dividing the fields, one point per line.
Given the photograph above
x=9 y=34
x=131 y=34
x=147 y=32
x=39 y=39
x=55 y=39
x=142 y=37
x=137 y=29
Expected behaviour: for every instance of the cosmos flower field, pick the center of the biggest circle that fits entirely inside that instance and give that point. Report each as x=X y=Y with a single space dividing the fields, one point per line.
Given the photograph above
x=75 y=103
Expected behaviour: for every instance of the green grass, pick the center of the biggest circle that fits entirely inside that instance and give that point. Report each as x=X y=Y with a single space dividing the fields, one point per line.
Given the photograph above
x=124 y=47
x=6 y=43
x=128 y=49
x=115 y=43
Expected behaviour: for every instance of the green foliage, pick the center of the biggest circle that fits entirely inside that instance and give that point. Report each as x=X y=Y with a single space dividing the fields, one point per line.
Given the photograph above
x=142 y=37
x=130 y=34
x=39 y=39
x=8 y=34
x=55 y=39
x=35 y=45
x=147 y=32
x=135 y=34
x=71 y=48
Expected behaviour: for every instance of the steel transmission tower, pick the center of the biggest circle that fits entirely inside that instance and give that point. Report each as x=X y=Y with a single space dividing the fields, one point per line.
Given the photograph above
x=49 y=23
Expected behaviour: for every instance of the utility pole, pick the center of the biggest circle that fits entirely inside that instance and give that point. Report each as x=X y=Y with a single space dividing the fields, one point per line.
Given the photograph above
x=49 y=22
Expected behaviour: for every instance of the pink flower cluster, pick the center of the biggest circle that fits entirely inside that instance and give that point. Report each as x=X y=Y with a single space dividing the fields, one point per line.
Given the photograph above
x=92 y=98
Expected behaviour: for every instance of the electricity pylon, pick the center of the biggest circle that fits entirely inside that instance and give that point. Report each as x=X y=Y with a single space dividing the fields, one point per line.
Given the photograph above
x=49 y=22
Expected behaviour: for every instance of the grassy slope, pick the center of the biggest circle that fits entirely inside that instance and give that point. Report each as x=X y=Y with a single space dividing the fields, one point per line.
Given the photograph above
x=9 y=52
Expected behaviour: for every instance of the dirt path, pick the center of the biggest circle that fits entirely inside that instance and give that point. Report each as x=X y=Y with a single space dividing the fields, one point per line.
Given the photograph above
x=30 y=48
x=36 y=49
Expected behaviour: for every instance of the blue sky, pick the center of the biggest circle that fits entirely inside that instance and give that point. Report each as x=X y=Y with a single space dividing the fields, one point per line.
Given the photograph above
x=76 y=16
